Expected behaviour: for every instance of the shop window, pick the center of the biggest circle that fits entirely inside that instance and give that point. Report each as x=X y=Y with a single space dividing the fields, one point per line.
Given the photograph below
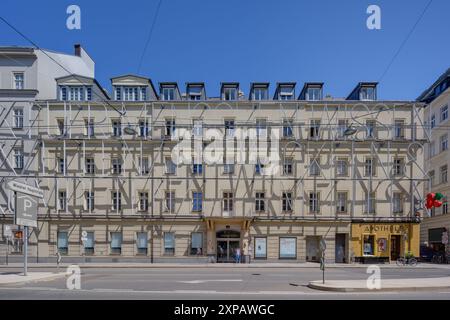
x=260 y=248
x=288 y=248
x=63 y=243
x=196 y=243
x=369 y=241
x=116 y=242
x=89 y=243
x=169 y=243
x=141 y=243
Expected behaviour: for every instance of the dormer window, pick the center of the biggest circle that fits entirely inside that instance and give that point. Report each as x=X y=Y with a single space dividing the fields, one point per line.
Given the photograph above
x=260 y=93
x=229 y=94
x=314 y=93
x=168 y=94
x=130 y=93
x=286 y=93
x=367 y=93
x=195 y=92
x=75 y=93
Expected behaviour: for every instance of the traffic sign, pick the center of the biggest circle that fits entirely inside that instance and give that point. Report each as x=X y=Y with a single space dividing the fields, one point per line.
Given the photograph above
x=26 y=210
x=26 y=189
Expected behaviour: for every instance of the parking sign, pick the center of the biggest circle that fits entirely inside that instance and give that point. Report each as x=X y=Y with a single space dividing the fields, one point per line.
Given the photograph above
x=26 y=210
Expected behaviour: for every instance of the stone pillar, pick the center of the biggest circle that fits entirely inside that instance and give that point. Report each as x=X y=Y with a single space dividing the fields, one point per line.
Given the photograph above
x=211 y=242
x=245 y=236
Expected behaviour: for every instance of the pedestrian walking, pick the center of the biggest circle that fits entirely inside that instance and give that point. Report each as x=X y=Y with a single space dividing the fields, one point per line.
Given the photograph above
x=238 y=255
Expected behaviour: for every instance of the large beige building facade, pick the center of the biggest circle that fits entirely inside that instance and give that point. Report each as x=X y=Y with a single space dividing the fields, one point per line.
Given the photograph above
x=350 y=172
x=437 y=160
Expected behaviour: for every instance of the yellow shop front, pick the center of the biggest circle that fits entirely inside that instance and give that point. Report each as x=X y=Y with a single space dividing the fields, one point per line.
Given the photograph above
x=383 y=242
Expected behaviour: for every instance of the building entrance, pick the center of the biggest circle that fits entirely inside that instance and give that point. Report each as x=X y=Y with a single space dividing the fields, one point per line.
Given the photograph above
x=228 y=241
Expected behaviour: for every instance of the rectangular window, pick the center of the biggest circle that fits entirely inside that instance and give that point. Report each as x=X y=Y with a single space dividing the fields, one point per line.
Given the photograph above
x=143 y=201
x=143 y=93
x=432 y=149
x=432 y=180
x=342 y=127
x=399 y=130
x=229 y=94
x=288 y=248
x=131 y=93
x=62 y=201
x=168 y=94
x=18 y=118
x=197 y=169
x=196 y=243
x=170 y=127
x=143 y=128
x=286 y=93
x=88 y=93
x=287 y=167
x=370 y=129
x=287 y=128
x=261 y=127
x=444 y=142
x=369 y=167
x=314 y=202
x=63 y=93
x=444 y=113
x=342 y=167
x=197 y=201
x=444 y=174
x=433 y=121
x=198 y=128
x=90 y=166
x=314 y=94
x=260 y=202
x=170 y=201
x=367 y=93
x=89 y=200
x=62 y=165
x=260 y=248
x=229 y=128
x=341 y=202
x=259 y=168
x=116 y=242
x=76 y=93
x=61 y=127
x=369 y=202
x=116 y=128
x=141 y=243
x=19 y=81
x=18 y=159
x=89 y=244
x=89 y=127
x=397 y=202
x=314 y=168
x=116 y=165
x=286 y=202
x=144 y=167
x=118 y=93
x=445 y=206
x=117 y=200
x=228 y=168
x=171 y=168
x=368 y=245
x=63 y=242
x=228 y=202
x=169 y=243
x=259 y=94
x=398 y=167
x=314 y=129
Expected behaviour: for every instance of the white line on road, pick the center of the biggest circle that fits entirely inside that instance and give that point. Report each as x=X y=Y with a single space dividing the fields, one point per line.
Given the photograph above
x=214 y=280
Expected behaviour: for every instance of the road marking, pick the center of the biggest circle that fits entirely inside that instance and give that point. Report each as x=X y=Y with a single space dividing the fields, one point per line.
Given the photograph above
x=214 y=280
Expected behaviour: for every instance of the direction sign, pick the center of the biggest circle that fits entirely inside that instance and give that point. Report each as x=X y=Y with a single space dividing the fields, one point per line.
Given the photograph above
x=26 y=211
x=26 y=189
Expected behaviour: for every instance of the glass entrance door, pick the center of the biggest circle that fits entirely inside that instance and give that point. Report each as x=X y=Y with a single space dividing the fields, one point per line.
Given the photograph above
x=226 y=250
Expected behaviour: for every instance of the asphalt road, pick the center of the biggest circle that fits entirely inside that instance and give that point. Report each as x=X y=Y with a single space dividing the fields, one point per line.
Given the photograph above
x=214 y=283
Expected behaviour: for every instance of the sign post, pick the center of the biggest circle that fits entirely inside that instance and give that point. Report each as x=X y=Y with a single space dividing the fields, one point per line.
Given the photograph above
x=83 y=240
x=323 y=247
x=8 y=235
x=25 y=211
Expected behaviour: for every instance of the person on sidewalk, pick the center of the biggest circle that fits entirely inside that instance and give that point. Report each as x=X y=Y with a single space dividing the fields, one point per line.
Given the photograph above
x=238 y=255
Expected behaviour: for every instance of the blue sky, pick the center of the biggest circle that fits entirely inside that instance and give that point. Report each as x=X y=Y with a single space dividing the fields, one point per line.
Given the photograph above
x=248 y=41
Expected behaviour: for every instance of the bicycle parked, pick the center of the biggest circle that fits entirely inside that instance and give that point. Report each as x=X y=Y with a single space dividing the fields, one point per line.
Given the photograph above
x=408 y=259
x=438 y=258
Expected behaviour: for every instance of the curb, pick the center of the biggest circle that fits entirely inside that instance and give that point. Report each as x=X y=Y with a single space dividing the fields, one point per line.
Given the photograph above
x=322 y=287
x=49 y=277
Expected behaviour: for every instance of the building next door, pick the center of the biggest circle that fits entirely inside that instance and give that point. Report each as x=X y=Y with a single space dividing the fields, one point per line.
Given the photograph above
x=395 y=247
x=228 y=241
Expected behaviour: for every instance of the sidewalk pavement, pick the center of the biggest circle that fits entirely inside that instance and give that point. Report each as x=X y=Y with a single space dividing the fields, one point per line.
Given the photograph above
x=18 y=278
x=221 y=265
x=386 y=285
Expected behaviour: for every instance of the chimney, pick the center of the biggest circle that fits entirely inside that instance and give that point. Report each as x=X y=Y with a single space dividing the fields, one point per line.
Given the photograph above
x=77 y=47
